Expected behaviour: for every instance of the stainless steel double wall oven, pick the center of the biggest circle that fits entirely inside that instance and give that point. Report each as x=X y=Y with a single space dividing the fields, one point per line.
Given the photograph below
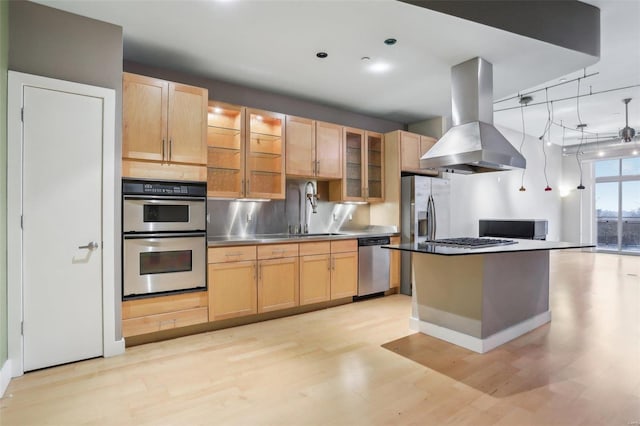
x=164 y=236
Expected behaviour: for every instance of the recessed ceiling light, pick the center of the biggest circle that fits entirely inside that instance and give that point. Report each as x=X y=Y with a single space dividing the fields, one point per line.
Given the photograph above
x=217 y=110
x=365 y=58
x=562 y=80
x=635 y=152
x=600 y=154
x=390 y=41
x=322 y=55
x=379 y=67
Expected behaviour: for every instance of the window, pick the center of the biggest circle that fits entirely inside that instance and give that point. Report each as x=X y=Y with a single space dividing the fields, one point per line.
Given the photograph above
x=617 y=204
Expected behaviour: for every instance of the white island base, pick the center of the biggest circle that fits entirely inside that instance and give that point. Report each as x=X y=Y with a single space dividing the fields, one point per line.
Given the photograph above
x=480 y=301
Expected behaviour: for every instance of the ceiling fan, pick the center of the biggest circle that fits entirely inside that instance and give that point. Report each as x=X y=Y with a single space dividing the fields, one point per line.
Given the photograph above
x=627 y=133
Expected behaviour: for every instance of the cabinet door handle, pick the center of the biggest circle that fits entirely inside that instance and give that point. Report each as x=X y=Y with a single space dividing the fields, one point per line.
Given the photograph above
x=170 y=148
x=259 y=272
x=163 y=149
x=254 y=271
x=329 y=264
x=248 y=187
x=318 y=167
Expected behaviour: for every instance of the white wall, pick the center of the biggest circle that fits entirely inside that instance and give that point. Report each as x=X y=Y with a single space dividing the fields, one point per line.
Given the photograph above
x=496 y=195
x=577 y=205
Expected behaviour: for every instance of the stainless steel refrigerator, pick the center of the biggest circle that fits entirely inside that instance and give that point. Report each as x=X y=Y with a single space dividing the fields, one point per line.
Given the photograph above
x=415 y=220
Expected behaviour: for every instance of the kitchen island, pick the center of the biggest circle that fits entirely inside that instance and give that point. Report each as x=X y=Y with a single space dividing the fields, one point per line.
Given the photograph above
x=480 y=298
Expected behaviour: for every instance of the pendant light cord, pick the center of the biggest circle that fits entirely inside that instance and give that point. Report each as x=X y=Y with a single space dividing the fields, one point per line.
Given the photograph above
x=581 y=125
x=546 y=129
x=522 y=145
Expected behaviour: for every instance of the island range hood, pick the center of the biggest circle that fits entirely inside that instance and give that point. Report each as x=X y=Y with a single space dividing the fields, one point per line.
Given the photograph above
x=473 y=144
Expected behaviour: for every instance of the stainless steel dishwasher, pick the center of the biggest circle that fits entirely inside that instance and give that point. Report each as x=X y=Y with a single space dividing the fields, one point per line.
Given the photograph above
x=373 y=265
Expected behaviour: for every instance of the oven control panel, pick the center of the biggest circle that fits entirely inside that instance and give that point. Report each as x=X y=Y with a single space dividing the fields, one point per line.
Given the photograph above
x=185 y=189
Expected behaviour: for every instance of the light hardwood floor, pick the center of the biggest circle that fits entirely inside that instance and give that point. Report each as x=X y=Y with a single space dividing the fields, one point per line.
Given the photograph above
x=359 y=364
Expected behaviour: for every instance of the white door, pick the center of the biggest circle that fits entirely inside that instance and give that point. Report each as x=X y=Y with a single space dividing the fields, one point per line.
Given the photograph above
x=61 y=208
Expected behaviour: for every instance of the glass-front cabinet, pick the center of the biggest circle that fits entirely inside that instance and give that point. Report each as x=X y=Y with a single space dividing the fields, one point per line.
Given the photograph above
x=375 y=167
x=363 y=177
x=245 y=152
x=265 y=155
x=225 y=153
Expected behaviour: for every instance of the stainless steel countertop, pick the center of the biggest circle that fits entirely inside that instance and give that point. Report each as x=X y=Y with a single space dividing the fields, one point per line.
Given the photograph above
x=228 y=240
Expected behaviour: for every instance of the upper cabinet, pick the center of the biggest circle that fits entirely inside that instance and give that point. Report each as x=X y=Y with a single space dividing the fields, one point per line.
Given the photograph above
x=363 y=170
x=406 y=149
x=265 y=174
x=164 y=129
x=245 y=152
x=314 y=149
x=225 y=150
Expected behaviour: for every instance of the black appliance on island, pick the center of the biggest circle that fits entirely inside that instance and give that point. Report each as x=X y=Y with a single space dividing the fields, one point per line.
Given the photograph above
x=527 y=229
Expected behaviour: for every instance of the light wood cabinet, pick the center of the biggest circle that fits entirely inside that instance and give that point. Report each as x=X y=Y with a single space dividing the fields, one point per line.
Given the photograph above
x=344 y=274
x=363 y=169
x=402 y=155
x=313 y=148
x=265 y=155
x=246 y=154
x=315 y=272
x=164 y=129
x=394 y=264
x=225 y=150
x=344 y=268
x=232 y=278
x=278 y=283
x=142 y=316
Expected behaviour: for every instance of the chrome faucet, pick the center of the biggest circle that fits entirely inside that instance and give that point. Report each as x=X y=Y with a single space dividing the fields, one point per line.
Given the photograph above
x=313 y=200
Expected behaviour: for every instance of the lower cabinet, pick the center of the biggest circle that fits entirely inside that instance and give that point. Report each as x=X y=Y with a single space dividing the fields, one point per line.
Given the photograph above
x=247 y=280
x=328 y=270
x=232 y=290
x=278 y=279
x=315 y=272
x=232 y=282
x=344 y=274
x=142 y=316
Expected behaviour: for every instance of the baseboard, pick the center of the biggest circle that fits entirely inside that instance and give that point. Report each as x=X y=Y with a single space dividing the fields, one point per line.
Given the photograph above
x=474 y=343
x=114 y=348
x=5 y=377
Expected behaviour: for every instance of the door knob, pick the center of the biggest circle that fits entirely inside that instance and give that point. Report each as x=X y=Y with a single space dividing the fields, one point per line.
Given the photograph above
x=91 y=246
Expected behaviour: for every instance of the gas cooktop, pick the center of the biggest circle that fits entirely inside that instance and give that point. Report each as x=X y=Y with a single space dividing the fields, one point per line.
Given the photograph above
x=465 y=242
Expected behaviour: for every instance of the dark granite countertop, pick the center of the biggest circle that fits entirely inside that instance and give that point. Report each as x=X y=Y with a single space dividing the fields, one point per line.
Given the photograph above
x=520 y=246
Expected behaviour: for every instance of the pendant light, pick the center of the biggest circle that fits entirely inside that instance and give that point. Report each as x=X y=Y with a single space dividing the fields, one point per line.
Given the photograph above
x=627 y=133
x=581 y=126
x=524 y=101
x=544 y=152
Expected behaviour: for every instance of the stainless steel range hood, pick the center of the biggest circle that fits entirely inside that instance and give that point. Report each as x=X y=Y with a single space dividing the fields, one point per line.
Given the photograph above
x=473 y=144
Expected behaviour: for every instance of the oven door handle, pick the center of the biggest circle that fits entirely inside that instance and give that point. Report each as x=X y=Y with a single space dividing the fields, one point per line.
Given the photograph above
x=163 y=198
x=165 y=235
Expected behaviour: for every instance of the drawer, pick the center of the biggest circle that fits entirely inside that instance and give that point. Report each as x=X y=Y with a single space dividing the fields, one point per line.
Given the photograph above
x=231 y=254
x=162 y=304
x=319 y=247
x=341 y=246
x=274 y=251
x=151 y=323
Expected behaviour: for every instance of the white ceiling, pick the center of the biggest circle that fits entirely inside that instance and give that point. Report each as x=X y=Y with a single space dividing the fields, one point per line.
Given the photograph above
x=271 y=44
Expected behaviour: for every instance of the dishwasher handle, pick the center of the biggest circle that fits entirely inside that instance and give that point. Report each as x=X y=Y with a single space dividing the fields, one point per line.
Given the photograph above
x=373 y=241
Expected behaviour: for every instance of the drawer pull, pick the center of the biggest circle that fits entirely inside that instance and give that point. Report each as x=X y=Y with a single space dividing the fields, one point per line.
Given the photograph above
x=277 y=251
x=237 y=253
